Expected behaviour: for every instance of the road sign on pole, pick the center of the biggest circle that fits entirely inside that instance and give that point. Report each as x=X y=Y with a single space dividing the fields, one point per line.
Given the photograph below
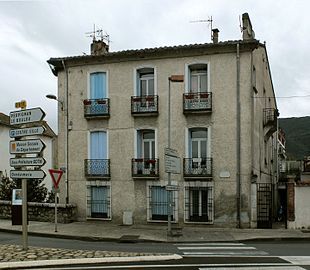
x=27 y=146
x=56 y=176
x=26 y=116
x=27 y=161
x=27 y=174
x=16 y=133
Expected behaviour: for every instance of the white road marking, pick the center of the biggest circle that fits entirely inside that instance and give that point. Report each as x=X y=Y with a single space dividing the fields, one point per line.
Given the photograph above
x=299 y=260
x=213 y=248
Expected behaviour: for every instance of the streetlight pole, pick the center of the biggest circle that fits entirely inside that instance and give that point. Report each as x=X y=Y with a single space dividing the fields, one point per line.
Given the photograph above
x=64 y=109
x=172 y=78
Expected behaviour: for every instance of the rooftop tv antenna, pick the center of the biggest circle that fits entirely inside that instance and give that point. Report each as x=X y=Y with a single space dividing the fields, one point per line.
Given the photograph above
x=99 y=34
x=209 y=21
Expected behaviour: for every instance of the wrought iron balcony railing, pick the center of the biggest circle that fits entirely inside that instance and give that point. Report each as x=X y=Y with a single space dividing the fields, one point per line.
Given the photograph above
x=270 y=116
x=97 y=168
x=197 y=167
x=142 y=167
x=144 y=104
x=96 y=108
x=197 y=102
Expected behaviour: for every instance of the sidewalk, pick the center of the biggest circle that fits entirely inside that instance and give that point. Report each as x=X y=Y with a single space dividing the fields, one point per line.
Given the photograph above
x=96 y=230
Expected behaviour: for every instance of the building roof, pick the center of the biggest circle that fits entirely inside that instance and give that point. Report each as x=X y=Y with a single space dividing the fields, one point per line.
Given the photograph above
x=5 y=120
x=159 y=52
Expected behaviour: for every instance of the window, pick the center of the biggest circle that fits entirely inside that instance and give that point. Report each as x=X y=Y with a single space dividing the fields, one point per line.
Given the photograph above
x=98 y=85
x=158 y=203
x=198 y=78
x=145 y=85
x=98 y=200
x=198 y=202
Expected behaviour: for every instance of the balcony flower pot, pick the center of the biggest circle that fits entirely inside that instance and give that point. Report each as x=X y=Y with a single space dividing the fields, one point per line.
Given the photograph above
x=101 y=101
x=87 y=102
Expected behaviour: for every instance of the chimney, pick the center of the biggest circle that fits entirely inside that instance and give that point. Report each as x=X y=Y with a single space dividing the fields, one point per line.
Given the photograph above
x=247 y=30
x=215 y=35
x=99 y=47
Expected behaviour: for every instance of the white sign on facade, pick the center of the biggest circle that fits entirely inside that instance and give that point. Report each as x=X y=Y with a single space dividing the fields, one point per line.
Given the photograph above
x=15 y=133
x=27 y=174
x=171 y=152
x=27 y=161
x=26 y=146
x=172 y=164
x=26 y=116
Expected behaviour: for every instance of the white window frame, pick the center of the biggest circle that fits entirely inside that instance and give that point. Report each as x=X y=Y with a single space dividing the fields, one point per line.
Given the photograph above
x=98 y=183
x=187 y=131
x=136 y=140
x=135 y=75
x=97 y=71
x=175 y=196
x=187 y=72
x=198 y=184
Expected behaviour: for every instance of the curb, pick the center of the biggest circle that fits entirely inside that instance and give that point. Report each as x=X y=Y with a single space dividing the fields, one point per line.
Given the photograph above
x=72 y=262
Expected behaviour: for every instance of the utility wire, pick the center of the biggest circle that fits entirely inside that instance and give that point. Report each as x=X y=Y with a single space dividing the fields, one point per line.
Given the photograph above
x=286 y=97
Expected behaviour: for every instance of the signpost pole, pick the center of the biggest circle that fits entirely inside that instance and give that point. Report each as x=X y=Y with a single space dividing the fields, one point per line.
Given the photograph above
x=24 y=215
x=169 y=232
x=55 y=211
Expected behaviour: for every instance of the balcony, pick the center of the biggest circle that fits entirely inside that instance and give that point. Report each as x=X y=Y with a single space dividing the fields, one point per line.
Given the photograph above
x=97 y=168
x=270 y=121
x=96 y=108
x=142 y=167
x=144 y=105
x=197 y=167
x=197 y=102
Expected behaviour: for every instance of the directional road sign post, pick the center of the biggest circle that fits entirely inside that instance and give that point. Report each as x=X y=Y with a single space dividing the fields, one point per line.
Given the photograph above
x=22 y=147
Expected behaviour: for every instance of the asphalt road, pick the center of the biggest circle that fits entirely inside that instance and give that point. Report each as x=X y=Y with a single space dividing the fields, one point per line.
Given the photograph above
x=267 y=255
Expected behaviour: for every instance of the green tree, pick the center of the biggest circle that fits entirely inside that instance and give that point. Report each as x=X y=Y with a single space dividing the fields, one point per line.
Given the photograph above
x=6 y=187
x=36 y=191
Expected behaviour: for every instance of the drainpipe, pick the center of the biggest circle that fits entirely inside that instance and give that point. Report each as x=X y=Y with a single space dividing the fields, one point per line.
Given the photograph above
x=238 y=144
x=66 y=132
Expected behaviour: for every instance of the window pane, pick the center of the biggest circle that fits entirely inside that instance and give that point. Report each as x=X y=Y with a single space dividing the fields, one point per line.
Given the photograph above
x=153 y=150
x=194 y=149
x=146 y=148
x=203 y=83
x=203 y=149
x=149 y=135
x=143 y=87
x=151 y=87
x=199 y=134
x=194 y=83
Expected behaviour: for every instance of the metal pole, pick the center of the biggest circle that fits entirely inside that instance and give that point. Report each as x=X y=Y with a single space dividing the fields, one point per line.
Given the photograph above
x=169 y=232
x=24 y=215
x=55 y=211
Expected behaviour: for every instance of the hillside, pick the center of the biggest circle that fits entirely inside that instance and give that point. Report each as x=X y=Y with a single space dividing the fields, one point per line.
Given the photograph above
x=297 y=133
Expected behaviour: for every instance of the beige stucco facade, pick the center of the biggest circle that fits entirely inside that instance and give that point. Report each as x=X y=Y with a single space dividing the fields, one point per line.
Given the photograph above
x=231 y=67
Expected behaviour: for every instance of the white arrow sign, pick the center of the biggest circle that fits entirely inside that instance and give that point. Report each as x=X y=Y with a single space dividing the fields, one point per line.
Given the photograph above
x=15 y=133
x=26 y=146
x=26 y=116
x=27 y=161
x=27 y=174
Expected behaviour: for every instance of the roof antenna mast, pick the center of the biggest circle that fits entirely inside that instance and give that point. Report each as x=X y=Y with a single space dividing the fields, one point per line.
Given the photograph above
x=210 y=23
x=99 y=34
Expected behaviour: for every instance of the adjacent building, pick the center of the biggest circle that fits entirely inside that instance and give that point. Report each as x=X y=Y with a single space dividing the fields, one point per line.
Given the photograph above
x=113 y=132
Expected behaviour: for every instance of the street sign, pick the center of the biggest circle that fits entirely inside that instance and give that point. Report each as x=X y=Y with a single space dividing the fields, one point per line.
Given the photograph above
x=171 y=152
x=27 y=174
x=26 y=116
x=172 y=188
x=15 y=133
x=26 y=146
x=172 y=164
x=27 y=161
x=56 y=176
x=21 y=104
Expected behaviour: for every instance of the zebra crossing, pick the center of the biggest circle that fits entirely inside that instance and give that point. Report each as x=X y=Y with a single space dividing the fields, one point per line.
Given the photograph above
x=218 y=249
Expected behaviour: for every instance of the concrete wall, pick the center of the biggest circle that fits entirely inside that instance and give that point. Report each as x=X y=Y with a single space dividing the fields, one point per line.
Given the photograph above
x=5 y=150
x=129 y=194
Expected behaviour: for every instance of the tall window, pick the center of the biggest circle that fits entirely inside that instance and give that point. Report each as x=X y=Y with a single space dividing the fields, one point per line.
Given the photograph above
x=145 y=77
x=98 y=145
x=146 y=144
x=198 y=78
x=98 y=85
x=98 y=201
x=198 y=144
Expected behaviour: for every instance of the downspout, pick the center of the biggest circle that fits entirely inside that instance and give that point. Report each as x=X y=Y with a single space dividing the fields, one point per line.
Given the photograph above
x=66 y=132
x=238 y=145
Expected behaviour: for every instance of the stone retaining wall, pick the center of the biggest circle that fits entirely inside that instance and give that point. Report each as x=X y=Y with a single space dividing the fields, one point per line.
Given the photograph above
x=66 y=213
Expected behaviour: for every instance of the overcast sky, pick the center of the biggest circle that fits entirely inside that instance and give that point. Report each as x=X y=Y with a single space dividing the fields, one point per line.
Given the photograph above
x=33 y=31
